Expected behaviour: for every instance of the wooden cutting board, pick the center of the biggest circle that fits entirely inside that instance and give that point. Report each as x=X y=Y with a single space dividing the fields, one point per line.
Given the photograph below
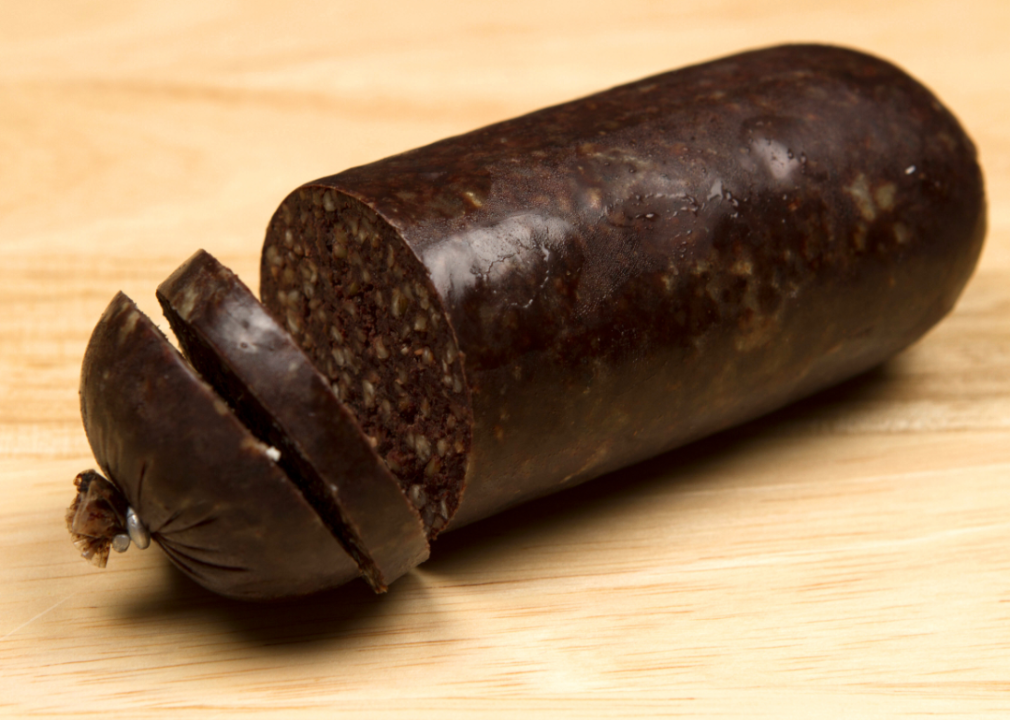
x=847 y=557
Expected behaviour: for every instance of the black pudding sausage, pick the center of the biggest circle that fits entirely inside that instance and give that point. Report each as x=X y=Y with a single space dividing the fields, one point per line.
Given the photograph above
x=507 y=313
x=538 y=302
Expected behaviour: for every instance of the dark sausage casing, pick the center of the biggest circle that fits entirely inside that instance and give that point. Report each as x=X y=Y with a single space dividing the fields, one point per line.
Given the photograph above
x=544 y=300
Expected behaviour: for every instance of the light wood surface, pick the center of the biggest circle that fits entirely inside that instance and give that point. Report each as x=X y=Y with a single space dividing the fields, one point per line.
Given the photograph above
x=847 y=557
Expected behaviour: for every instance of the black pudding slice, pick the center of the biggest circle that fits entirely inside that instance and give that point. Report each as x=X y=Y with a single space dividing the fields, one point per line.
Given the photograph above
x=277 y=392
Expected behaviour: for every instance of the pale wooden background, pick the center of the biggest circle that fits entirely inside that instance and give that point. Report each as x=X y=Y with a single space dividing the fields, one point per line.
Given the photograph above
x=849 y=557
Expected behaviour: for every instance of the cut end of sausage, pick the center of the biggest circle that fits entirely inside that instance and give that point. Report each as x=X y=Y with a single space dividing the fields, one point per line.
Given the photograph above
x=361 y=305
x=277 y=393
x=207 y=489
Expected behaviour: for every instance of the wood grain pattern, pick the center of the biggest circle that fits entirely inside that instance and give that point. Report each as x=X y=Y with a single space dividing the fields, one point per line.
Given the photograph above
x=849 y=556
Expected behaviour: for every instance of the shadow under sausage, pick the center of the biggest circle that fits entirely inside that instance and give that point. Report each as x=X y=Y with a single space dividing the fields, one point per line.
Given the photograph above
x=322 y=619
x=334 y=617
x=686 y=466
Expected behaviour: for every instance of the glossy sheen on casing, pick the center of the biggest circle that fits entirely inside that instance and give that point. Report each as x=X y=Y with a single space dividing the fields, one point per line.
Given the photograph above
x=220 y=508
x=634 y=270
